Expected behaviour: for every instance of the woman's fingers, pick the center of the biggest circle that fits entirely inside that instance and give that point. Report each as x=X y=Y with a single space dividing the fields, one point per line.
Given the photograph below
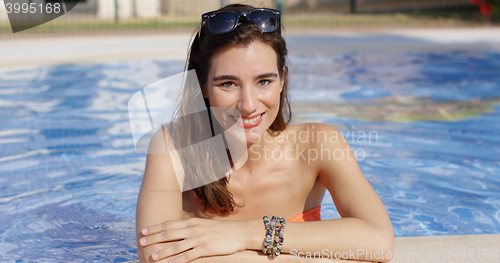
x=193 y=238
x=164 y=226
x=177 y=249
x=165 y=236
x=174 y=224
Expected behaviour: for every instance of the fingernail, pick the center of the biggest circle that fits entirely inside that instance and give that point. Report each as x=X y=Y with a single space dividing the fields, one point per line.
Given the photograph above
x=145 y=231
x=154 y=256
x=143 y=241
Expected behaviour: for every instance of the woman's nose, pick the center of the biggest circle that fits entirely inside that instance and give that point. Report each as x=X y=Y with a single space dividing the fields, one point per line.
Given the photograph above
x=247 y=103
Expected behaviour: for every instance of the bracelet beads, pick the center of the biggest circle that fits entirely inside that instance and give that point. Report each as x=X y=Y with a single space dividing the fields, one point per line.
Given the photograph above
x=269 y=237
x=278 y=236
x=273 y=246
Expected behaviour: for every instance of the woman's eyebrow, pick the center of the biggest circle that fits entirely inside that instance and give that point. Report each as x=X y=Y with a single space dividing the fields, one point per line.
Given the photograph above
x=225 y=77
x=232 y=77
x=267 y=75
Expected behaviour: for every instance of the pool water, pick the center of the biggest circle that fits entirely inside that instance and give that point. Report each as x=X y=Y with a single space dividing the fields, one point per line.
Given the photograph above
x=70 y=173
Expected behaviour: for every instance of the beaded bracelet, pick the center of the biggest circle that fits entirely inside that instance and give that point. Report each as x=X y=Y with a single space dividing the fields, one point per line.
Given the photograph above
x=278 y=236
x=269 y=236
x=273 y=247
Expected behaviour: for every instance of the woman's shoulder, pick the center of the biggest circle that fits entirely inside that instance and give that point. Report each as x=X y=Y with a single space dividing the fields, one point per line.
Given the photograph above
x=163 y=157
x=161 y=140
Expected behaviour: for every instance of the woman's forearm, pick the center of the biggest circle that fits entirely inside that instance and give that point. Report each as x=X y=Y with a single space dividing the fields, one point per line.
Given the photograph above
x=346 y=238
x=249 y=256
x=246 y=256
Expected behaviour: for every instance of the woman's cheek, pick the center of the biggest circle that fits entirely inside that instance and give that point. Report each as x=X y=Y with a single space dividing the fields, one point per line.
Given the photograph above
x=220 y=99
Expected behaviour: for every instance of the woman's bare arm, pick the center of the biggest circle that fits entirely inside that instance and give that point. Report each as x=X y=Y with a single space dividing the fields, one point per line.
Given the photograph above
x=250 y=256
x=160 y=197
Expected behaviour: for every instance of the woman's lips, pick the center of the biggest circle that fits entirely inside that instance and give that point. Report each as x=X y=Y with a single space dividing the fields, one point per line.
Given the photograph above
x=251 y=116
x=249 y=125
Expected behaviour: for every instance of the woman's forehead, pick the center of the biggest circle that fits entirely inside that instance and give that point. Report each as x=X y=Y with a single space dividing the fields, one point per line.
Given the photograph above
x=255 y=58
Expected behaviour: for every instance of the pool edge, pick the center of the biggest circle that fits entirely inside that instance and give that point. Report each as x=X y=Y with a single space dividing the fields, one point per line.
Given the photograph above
x=444 y=248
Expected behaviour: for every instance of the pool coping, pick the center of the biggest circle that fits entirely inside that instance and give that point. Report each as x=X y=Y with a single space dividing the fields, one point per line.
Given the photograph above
x=443 y=248
x=438 y=249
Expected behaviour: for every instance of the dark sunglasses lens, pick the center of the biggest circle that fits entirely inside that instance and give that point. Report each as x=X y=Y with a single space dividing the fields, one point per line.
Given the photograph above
x=221 y=22
x=264 y=19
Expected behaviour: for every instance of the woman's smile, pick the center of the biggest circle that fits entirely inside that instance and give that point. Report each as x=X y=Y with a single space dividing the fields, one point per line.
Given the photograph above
x=249 y=121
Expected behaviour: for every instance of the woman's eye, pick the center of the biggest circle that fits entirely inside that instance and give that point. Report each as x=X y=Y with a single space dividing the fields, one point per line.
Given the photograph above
x=264 y=82
x=227 y=84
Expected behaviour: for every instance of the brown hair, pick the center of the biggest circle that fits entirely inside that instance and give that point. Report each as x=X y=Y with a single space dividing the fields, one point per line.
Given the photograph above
x=215 y=193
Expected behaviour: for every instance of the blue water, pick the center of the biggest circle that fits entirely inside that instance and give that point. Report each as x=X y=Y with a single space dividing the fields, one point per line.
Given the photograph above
x=70 y=174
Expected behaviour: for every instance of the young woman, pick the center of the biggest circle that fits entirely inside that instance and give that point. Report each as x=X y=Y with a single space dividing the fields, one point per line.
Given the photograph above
x=239 y=57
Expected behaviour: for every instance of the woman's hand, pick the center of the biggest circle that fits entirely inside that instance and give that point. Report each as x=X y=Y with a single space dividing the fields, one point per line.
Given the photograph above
x=195 y=238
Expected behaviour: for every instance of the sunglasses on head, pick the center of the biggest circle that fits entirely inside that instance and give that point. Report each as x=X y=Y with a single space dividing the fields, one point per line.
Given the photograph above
x=225 y=21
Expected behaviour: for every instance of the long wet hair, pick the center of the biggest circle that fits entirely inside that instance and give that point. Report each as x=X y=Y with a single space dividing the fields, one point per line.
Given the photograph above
x=214 y=193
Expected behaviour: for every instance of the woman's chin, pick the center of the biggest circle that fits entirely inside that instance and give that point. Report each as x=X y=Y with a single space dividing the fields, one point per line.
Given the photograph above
x=253 y=136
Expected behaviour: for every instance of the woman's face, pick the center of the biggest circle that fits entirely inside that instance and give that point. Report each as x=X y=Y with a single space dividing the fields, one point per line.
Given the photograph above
x=246 y=79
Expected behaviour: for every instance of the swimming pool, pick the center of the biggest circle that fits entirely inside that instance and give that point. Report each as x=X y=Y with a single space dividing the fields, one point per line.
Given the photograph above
x=70 y=174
